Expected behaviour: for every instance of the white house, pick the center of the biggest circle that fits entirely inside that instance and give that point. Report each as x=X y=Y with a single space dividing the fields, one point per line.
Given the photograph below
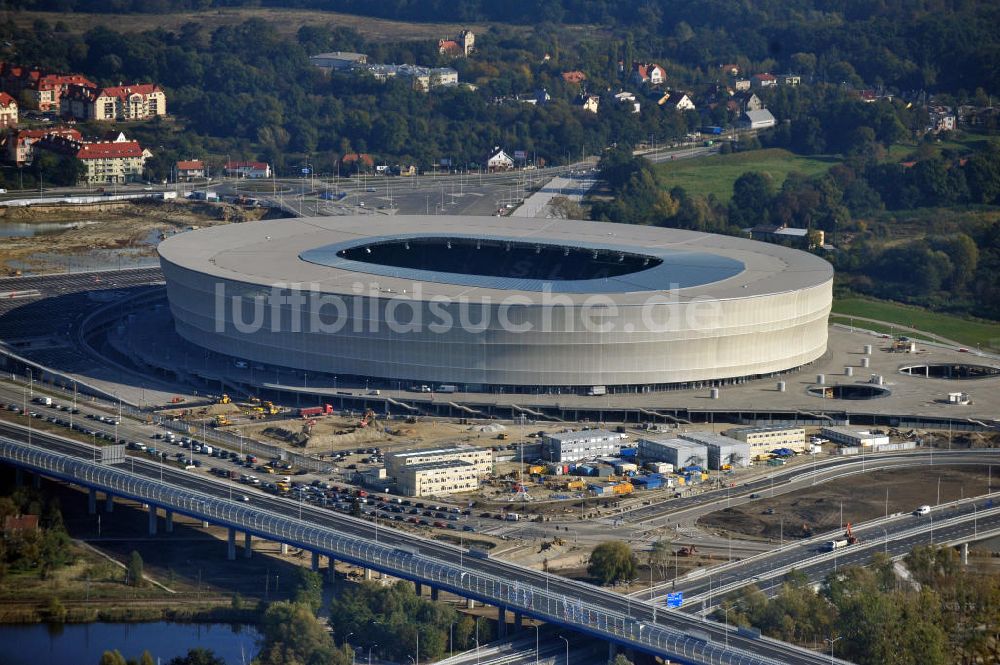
x=248 y=169
x=498 y=160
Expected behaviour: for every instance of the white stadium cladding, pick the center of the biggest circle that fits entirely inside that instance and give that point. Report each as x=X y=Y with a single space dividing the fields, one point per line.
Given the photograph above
x=498 y=302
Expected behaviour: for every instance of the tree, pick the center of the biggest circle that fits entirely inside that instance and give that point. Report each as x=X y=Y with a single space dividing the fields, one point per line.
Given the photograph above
x=197 y=656
x=752 y=193
x=112 y=658
x=134 y=570
x=308 y=587
x=293 y=634
x=661 y=555
x=620 y=659
x=611 y=562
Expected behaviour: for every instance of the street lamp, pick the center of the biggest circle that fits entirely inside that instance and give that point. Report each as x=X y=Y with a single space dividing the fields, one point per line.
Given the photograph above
x=831 y=642
x=567 y=648
x=370 y=653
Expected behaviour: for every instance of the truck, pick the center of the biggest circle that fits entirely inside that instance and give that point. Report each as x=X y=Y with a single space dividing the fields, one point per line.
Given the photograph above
x=711 y=129
x=837 y=544
x=512 y=517
x=595 y=391
x=310 y=411
x=446 y=388
x=44 y=401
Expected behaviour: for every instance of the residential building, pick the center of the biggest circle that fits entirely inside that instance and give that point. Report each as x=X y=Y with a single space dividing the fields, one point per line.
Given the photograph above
x=729 y=69
x=37 y=89
x=626 y=97
x=421 y=78
x=186 y=170
x=245 y=169
x=581 y=445
x=20 y=144
x=8 y=110
x=648 y=72
x=338 y=60
x=941 y=119
x=741 y=85
x=107 y=162
x=760 y=119
x=498 y=160
x=117 y=103
x=853 y=438
x=722 y=450
x=789 y=79
x=479 y=459
x=764 y=80
x=673 y=99
x=437 y=478
x=748 y=101
x=574 y=77
x=679 y=452
x=588 y=102
x=762 y=440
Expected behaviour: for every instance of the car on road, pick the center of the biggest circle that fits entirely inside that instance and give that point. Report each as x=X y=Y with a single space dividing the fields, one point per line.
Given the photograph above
x=922 y=510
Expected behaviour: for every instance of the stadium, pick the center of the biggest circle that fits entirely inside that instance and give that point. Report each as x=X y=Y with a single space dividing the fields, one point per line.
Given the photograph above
x=496 y=303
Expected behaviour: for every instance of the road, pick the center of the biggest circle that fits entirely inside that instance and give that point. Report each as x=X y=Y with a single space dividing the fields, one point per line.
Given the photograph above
x=530 y=583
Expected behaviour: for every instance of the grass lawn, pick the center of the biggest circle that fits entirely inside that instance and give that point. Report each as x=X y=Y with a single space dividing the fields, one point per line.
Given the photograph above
x=967 y=331
x=716 y=174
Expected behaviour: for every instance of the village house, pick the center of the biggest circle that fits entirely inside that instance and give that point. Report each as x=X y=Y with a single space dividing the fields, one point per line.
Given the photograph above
x=575 y=76
x=498 y=160
x=741 y=85
x=247 y=169
x=746 y=101
x=19 y=145
x=106 y=162
x=789 y=79
x=648 y=72
x=673 y=99
x=118 y=103
x=187 y=170
x=588 y=102
x=626 y=97
x=8 y=110
x=764 y=80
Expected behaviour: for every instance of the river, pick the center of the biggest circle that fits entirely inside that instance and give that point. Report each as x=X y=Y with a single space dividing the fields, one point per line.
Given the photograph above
x=83 y=644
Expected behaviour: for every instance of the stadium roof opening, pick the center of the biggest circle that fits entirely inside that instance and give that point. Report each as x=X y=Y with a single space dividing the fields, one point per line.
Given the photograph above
x=535 y=264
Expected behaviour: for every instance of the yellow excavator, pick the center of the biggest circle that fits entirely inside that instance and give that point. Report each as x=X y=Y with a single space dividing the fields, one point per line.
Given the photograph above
x=224 y=399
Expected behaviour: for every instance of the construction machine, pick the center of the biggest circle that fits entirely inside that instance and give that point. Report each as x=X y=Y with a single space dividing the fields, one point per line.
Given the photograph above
x=368 y=419
x=224 y=399
x=849 y=535
x=270 y=408
x=221 y=420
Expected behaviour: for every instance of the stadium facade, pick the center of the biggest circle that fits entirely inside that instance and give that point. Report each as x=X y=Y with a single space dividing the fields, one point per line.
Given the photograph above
x=484 y=303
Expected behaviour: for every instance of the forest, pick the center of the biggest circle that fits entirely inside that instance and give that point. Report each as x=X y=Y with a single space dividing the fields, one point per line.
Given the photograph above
x=941 y=45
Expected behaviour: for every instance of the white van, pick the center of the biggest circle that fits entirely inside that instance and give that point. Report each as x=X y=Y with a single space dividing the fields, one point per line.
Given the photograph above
x=922 y=510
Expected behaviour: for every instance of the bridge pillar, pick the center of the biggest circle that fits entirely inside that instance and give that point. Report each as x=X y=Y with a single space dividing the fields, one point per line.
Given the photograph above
x=331 y=569
x=231 y=545
x=612 y=652
x=315 y=562
x=204 y=524
x=434 y=593
x=470 y=604
x=518 y=621
x=168 y=521
x=109 y=503
x=152 y=519
x=91 y=501
x=501 y=621
x=18 y=476
x=284 y=548
x=368 y=573
x=247 y=545
x=965 y=554
x=418 y=588
x=36 y=481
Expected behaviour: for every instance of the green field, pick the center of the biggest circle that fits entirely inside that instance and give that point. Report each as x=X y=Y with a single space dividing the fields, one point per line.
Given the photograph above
x=716 y=174
x=972 y=333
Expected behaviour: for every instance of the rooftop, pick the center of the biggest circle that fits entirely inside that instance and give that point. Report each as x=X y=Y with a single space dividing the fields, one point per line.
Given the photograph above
x=583 y=434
